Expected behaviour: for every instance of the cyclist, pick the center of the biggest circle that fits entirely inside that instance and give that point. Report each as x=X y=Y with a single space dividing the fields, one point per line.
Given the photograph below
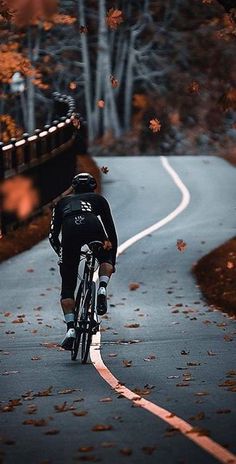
x=82 y=217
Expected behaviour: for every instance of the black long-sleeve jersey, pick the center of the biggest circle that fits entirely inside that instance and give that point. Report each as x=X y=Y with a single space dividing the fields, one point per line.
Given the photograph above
x=70 y=205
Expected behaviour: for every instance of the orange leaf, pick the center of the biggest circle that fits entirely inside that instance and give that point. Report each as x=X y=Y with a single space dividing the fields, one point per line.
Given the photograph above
x=134 y=285
x=80 y=413
x=132 y=326
x=114 y=82
x=114 y=18
x=126 y=451
x=154 y=125
x=101 y=427
x=181 y=245
x=52 y=432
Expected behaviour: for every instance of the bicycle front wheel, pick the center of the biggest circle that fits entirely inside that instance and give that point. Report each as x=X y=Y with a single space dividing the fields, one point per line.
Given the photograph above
x=75 y=348
x=87 y=333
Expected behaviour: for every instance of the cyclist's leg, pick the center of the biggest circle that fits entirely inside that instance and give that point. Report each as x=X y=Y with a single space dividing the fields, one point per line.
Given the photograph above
x=105 y=271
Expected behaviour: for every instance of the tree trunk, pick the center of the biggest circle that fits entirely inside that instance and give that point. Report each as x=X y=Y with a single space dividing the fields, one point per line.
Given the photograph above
x=86 y=72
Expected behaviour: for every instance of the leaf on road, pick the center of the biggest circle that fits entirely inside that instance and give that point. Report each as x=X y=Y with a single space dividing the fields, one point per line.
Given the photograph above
x=36 y=422
x=63 y=407
x=142 y=391
x=101 y=427
x=127 y=363
x=193 y=363
x=7 y=314
x=149 y=449
x=171 y=431
x=150 y=357
x=46 y=392
x=211 y=353
x=108 y=444
x=112 y=355
x=20 y=320
x=66 y=391
x=85 y=449
x=132 y=326
x=52 y=432
x=105 y=400
x=199 y=416
x=203 y=393
x=223 y=411
x=31 y=409
x=7 y=441
x=9 y=332
x=181 y=245
x=183 y=384
x=134 y=286
x=35 y=358
x=228 y=338
x=126 y=451
x=173 y=377
x=80 y=413
x=9 y=372
x=49 y=345
x=199 y=431
x=231 y=373
x=30 y=270
x=184 y=352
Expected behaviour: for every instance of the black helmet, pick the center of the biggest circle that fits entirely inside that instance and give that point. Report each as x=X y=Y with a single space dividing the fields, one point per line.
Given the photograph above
x=84 y=182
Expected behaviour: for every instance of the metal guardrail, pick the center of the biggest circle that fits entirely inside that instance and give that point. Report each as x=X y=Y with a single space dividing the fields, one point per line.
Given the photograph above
x=47 y=157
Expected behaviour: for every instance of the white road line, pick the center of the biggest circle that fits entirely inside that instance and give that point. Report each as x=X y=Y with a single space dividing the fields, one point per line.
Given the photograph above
x=211 y=447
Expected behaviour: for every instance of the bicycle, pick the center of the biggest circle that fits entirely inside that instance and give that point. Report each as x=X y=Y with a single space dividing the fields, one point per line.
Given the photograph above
x=85 y=325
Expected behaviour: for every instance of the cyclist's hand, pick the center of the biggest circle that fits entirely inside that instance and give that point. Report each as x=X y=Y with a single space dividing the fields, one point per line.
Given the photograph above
x=107 y=245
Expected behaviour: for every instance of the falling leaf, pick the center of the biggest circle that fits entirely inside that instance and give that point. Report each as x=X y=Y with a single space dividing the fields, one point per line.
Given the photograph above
x=101 y=427
x=181 y=245
x=126 y=451
x=154 y=125
x=114 y=18
x=132 y=326
x=100 y=103
x=127 y=363
x=114 y=82
x=104 y=169
x=83 y=29
x=230 y=265
x=194 y=87
x=134 y=286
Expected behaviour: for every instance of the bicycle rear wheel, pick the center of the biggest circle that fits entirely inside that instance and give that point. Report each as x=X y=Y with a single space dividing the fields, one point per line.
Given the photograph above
x=75 y=348
x=87 y=331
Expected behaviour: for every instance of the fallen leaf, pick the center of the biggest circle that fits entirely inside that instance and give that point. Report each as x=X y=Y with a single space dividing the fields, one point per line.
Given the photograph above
x=148 y=449
x=46 y=392
x=18 y=321
x=108 y=444
x=183 y=352
x=105 y=400
x=31 y=409
x=52 y=432
x=7 y=314
x=49 y=345
x=210 y=353
x=126 y=451
x=228 y=338
x=63 y=407
x=181 y=245
x=65 y=391
x=134 y=285
x=85 y=449
x=35 y=422
x=35 y=358
x=132 y=326
x=101 y=427
x=204 y=393
x=30 y=270
x=199 y=416
x=223 y=411
x=127 y=363
x=193 y=363
x=80 y=413
x=199 y=431
x=171 y=431
x=112 y=355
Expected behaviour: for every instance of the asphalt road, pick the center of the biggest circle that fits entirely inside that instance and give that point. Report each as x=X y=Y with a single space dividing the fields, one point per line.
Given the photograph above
x=181 y=356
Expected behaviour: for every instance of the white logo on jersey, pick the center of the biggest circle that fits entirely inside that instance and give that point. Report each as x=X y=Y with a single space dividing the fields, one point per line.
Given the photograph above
x=79 y=220
x=86 y=206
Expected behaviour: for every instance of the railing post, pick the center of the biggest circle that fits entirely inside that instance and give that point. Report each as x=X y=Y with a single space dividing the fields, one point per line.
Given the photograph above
x=38 y=143
x=1 y=162
x=26 y=150
x=14 y=161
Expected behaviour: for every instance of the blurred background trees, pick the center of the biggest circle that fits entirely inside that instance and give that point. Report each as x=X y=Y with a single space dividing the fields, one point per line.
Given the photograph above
x=125 y=63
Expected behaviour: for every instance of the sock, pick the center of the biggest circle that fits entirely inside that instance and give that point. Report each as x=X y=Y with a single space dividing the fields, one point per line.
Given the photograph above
x=103 y=281
x=69 y=319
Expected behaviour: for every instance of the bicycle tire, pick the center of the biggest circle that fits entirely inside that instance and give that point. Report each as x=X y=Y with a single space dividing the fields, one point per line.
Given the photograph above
x=75 y=348
x=87 y=333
